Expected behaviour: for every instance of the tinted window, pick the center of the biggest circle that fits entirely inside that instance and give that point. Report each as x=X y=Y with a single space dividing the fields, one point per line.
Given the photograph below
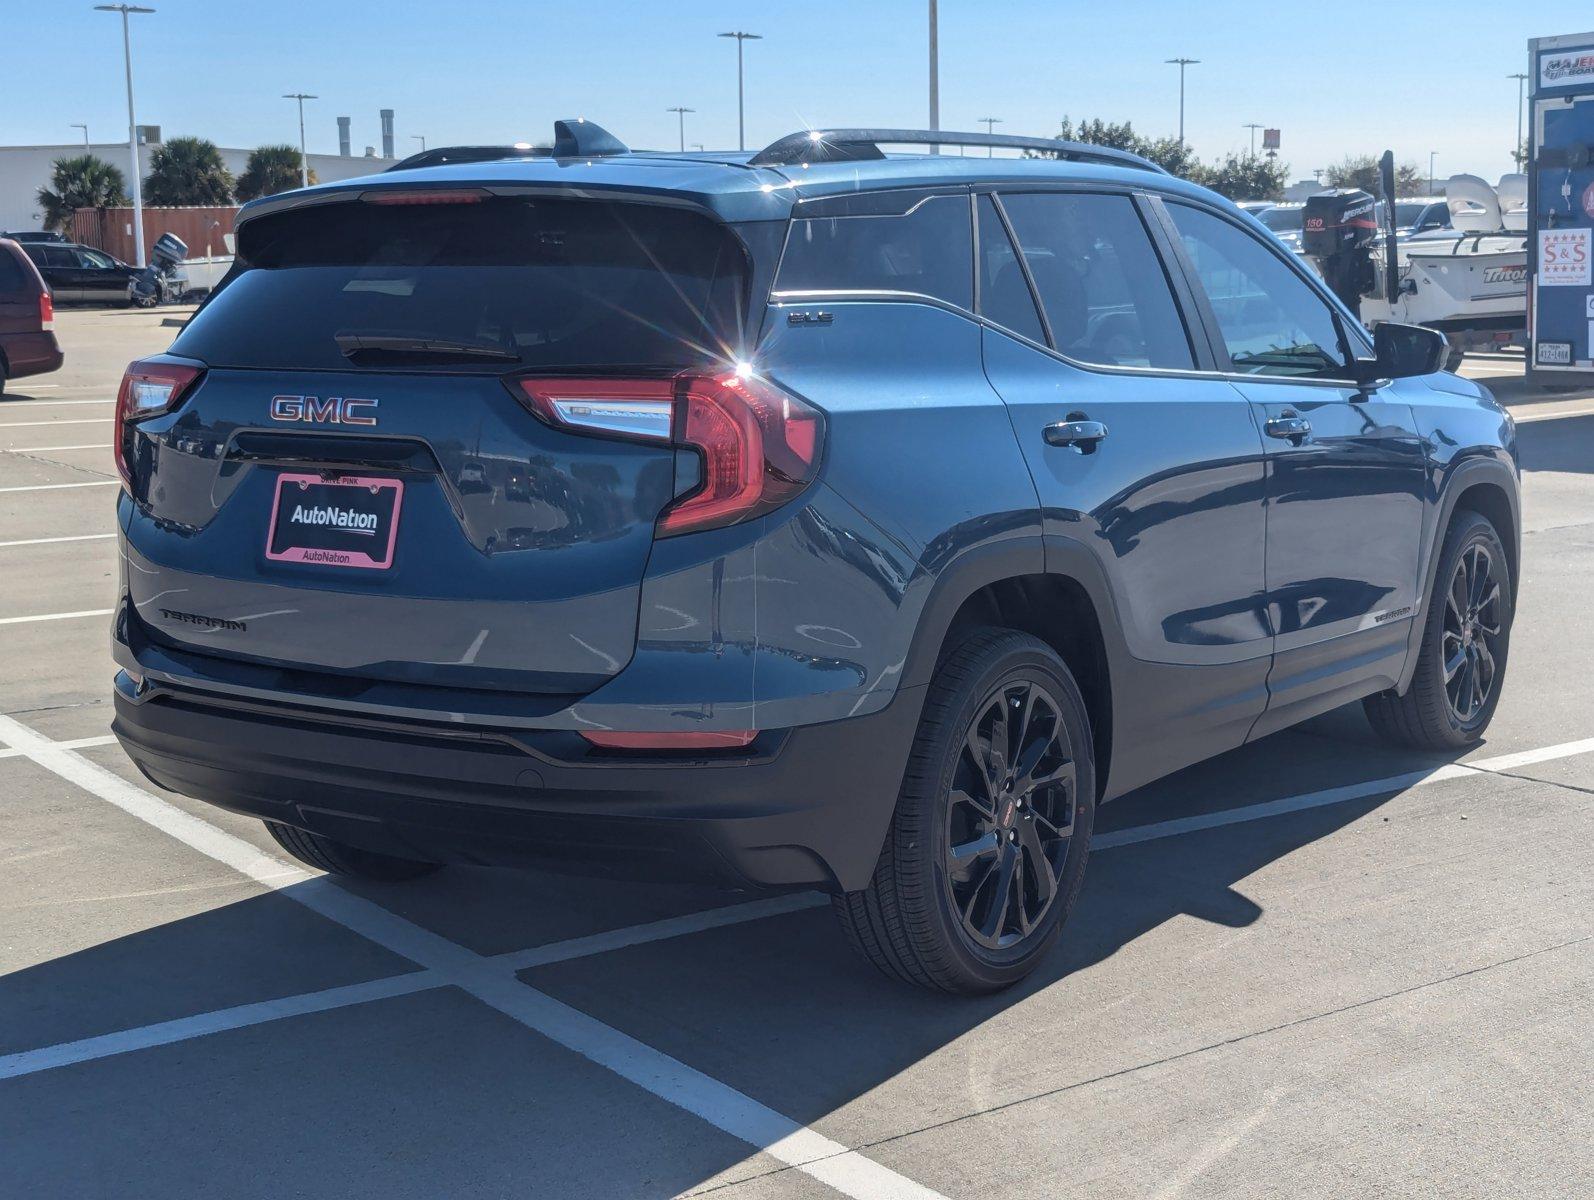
x=1004 y=292
x=542 y=283
x=1282 y=220
x=94 y=260
x=11 y=276
x=1272 y=322
x=1104 y=290
x=928 y=251
x=52 y=256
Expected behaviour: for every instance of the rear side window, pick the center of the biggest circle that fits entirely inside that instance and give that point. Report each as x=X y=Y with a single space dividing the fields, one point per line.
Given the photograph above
x=494 y=286
x=1004 y=292
x=11 y=277
x=1272 y=322
x=1106 y=295
x=928 y=251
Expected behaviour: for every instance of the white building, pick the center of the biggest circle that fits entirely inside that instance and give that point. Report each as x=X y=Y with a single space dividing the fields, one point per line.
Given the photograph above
x=26 y=169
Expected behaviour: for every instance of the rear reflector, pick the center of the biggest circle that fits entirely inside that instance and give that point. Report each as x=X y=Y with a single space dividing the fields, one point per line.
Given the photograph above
x=671 y=741
x=46 y=312
x=151 y=386
x=759 y=445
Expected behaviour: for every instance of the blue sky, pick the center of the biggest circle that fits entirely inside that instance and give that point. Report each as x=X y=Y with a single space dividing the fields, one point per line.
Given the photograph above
x=1414 y=77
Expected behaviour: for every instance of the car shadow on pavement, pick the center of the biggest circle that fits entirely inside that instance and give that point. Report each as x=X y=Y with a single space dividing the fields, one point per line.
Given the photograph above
x=436 y=1094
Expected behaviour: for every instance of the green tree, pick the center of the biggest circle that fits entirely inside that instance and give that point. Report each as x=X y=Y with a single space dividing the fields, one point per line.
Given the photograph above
x=1169 y=153
x=270 y=169
x=1247 y=177
x=1361 y=171
x=187 y=170
x=84 y=181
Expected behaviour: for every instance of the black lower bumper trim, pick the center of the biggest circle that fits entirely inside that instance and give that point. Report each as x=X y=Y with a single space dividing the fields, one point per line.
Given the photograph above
x=812 y=814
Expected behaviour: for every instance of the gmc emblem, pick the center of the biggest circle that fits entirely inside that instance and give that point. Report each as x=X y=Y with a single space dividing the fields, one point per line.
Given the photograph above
x=334 y=410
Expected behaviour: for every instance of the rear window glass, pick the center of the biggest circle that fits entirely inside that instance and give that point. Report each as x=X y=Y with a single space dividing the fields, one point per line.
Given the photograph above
x=928 y=251
x=11 y=276
x=492 y=286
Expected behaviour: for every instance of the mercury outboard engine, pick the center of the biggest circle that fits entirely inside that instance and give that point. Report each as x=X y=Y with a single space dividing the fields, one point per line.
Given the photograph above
x=1338 y=230
x=163 y=279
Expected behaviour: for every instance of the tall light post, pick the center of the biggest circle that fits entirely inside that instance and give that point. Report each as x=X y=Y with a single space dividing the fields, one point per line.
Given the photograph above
x=741 y=108
x=1253 y=127
x=85 y=129
x=935 y=71
x=1432 y=154
x=1517 y=154
x=1182 y=63
x=132 y=127
x=419 y=137
x=680 y=115
x=304 y=159
x=990 y=124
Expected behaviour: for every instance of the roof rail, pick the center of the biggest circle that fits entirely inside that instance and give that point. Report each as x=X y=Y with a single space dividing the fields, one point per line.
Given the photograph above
x=841 y=145
x=440 y=155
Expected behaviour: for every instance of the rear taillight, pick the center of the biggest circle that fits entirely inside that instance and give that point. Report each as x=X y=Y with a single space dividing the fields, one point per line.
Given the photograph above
x=759 y=446
x=46 y=312
x=727 y=739
x=151 y=386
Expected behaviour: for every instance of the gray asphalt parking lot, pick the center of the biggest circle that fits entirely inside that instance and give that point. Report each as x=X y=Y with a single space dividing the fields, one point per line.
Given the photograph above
x=1313 y=967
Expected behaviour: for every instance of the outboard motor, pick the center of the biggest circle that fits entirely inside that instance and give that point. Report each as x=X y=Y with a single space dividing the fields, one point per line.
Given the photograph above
x=163 y=279
x=1338 y=230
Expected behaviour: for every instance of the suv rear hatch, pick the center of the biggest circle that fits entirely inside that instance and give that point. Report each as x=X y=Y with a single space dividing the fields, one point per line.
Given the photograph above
x=339 y=470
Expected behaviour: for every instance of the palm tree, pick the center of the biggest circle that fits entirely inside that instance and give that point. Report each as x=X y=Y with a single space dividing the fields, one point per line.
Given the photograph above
x=81 y=182
x=187 y=171
x=271 y=169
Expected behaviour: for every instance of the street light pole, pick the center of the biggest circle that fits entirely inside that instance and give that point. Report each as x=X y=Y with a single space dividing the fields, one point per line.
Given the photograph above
x=1517 y=155
x=132 y=127
x=741 y=108
x=1182 y=64
x=419 y=137
x=304 y=159
x=935 y=72
x=1253 y=127
x=1432 y=154
x=680 y=114
x=990 y=124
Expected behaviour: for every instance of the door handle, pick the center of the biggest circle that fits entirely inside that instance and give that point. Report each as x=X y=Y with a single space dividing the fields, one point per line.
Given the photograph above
x=1077 y=432
x=1289 y=427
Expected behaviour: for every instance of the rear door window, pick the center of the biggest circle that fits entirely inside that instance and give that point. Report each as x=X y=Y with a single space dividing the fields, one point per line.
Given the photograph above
x=495 y=285
x=1005 y=296
x=927 y=251
x=11 y=277
x=1105 y=292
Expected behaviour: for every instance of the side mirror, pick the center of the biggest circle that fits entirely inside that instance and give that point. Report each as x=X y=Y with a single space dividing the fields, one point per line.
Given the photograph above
x=1401 y=352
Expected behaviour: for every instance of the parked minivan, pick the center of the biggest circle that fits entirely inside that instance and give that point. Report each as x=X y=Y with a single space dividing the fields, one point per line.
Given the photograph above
x=820 y=517
x=27 y=318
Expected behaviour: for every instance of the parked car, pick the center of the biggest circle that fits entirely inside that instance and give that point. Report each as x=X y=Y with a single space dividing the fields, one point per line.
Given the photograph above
x=27 y=318
x=1285 y=222
x=37 y=235
x=1421 y=214
x=819 y=517
x=81 y=274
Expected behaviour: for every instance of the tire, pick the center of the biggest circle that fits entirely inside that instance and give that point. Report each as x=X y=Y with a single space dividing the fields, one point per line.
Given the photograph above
x=916 y=920
x=1439 y=713
x=338 y=858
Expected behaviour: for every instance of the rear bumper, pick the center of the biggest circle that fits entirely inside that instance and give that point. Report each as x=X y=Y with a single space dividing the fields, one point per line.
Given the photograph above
x=809 y=808
x=30 y=353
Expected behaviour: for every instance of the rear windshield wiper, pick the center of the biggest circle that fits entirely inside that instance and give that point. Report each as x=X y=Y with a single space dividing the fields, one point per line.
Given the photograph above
x=412 y=346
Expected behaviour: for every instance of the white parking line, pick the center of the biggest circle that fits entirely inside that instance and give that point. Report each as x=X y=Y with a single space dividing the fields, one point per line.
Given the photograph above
x=492 y=983
x=56 y=487
x=1529 y=417
x=44 y=449
x=19 y=403
x=75 y=537
x=87 y=743
x=67 y=421
x=66 y=616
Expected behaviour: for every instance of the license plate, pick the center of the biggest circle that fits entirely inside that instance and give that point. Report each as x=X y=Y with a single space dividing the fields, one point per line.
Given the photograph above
x=337 y=521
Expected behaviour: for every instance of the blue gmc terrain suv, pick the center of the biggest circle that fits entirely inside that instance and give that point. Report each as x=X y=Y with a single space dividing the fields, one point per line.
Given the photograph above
x=817 y=518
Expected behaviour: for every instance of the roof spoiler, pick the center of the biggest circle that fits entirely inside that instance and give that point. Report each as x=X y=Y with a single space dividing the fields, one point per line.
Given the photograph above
x=574 y=137
x=843 y=145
